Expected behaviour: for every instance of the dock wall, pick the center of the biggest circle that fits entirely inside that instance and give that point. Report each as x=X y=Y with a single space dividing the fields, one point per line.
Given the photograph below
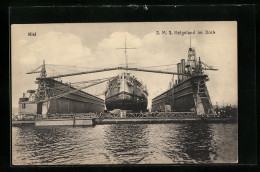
x=67 y=105
x=64 y=122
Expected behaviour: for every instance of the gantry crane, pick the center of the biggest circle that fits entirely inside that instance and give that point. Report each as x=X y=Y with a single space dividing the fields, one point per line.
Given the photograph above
x=47 y=90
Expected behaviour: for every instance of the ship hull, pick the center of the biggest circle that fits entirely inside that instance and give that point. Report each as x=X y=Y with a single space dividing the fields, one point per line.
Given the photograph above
x=126 y=104
x=126 y=93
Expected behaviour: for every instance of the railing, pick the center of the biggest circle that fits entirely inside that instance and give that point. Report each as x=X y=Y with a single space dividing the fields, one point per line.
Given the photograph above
x=126 y=115
x=68 y=116
x=151 y=115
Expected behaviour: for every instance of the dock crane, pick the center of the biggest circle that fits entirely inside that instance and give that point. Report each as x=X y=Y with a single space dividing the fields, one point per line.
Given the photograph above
x=50 y=88
x=46 y=91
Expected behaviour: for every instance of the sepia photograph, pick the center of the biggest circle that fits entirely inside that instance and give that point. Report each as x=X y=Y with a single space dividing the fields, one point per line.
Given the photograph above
x=124 y=93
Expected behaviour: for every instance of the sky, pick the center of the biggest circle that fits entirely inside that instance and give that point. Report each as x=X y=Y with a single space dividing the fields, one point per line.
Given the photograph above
x=93 y=45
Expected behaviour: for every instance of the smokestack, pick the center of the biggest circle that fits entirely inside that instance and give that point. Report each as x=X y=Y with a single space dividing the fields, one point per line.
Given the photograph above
x=183 y=69
x=179 y=71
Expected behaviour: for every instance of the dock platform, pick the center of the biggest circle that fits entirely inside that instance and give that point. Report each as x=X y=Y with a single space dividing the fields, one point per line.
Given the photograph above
x=23 y=122
x=137 y=118
x=99 y=121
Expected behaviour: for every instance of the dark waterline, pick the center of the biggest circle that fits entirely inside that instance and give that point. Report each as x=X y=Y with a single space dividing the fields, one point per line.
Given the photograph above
x=125 y=144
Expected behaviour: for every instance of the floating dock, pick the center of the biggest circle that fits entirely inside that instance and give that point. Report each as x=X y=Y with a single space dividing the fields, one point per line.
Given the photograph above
x=141 y=120
x=137 y=118
x=100 y=121
x=187 y=93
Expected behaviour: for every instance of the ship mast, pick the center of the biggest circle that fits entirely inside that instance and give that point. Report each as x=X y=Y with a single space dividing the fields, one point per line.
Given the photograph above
x=126 y=62
x=190 y=40
x=126 y=58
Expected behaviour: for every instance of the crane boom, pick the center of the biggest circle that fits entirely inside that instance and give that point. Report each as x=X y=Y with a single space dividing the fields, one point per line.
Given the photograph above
x=208 y=67
x=35 y=70
x=116 y=68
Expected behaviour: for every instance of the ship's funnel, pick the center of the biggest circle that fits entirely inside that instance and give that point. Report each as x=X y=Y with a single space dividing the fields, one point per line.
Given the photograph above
x=183 y=69
x=179 y=72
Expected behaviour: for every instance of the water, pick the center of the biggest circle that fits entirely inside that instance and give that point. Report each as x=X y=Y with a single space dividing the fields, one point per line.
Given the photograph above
x=125 y=144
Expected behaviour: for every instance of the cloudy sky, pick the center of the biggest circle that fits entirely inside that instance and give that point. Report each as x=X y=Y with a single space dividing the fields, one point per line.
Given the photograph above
x=93 y=45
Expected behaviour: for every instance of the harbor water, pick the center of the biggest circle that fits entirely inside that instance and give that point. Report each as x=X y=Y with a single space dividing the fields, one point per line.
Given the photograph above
x=125 y=144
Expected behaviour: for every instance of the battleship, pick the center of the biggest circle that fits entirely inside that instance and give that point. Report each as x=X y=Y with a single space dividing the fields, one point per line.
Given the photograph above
x=125 y=92
x=189 y=92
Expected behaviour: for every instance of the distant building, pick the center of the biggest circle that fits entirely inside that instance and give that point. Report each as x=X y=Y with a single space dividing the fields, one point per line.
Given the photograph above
x=27 y=107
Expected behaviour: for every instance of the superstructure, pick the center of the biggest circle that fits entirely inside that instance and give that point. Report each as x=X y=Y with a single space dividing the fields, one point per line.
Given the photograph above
x=125 y=92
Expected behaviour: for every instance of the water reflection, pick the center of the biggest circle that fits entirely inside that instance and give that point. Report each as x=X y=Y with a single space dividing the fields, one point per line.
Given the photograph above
x=128 y=143
x=55 y=145
x=191 y=144
x=125 y=143
x=46 y=144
